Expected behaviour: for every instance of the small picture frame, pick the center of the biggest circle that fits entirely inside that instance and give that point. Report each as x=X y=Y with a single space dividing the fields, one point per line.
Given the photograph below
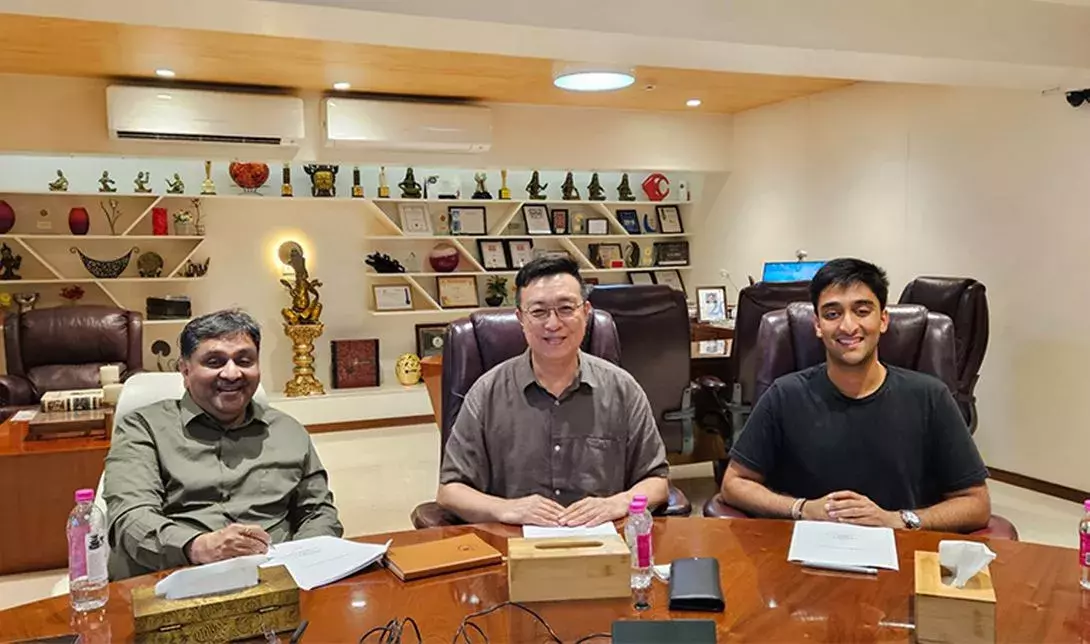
x=671 y=253
x=559 y=221
x=641 y=277
x=603 y=255
x=597 y=227
x=711 y=303
x=430 y=339
x=467 y=220
x=630 y=221
x=591 y=281
x=671 y=279
x=669 y=220
x=537 y=219
x=519 y=252
x=493 y=254
x=545 y=252
x=458 y=292
x=392 y=297
x=415 y=219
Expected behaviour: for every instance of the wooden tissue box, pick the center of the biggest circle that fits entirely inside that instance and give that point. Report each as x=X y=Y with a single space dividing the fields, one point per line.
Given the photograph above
x=567 y=568
x=953 y=615
x=271 y=605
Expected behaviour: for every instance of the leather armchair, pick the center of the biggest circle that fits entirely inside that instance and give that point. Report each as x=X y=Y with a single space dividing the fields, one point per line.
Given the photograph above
x=966 y=302
x=483 y=340
x=63 y=348
x=916 y=339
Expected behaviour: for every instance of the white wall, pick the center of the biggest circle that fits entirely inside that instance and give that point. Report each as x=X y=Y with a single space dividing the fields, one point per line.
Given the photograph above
x=987 y=184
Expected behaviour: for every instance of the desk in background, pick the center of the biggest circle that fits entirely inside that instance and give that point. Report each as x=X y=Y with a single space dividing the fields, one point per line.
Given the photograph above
x=768 y=599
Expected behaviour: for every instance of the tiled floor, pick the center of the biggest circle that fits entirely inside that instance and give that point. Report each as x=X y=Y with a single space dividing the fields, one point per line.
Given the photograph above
x=379 y=475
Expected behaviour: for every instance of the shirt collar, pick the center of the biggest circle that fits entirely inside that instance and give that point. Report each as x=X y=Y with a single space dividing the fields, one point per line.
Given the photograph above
x=524 y=372
x=191 y=410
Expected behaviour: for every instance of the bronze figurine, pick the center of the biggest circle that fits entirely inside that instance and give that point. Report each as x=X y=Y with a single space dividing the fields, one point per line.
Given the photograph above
x=535 y=188
x=624 y=193
x=193 y=269
x=9 y=263
x=105 y=183
x=323 y=179
x=140 y=183
x=410 y=189
x=26 y=301
x=481 y=192
x=60 y=184
x=570 y=192
x=305 y=305
x=175 y=186
x=595 y=191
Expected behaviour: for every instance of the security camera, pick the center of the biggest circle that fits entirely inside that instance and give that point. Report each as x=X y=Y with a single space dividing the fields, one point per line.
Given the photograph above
x=1077 y=97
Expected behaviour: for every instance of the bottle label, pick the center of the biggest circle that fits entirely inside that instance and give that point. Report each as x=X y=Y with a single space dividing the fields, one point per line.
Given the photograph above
x=1084 y=549
x=77 y=552
x=643 y=550
x=96 y=557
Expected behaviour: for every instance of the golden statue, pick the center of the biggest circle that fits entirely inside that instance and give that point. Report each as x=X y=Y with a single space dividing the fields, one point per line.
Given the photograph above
x=305 y=305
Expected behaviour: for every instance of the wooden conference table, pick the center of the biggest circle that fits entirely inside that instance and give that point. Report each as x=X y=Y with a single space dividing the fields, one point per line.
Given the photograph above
x=768 y=599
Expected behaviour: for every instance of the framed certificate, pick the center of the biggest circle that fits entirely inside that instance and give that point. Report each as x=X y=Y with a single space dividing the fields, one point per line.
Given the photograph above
x=467 y=221
x=537 y=219
x=493 y=254
x=672 y=253
x=392 y=297
x=604 y=255
x=458 y=292
x=630 y=221
x=671 y=279
x=669 y=220
x=560 y=221
x=414 y=218
x=520 y=252
x=641 y=277
x=597 y=227
x=711 y=302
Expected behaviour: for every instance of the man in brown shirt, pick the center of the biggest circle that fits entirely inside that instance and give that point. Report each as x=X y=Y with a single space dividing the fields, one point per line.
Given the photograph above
x=554 y=436
x=213 y=475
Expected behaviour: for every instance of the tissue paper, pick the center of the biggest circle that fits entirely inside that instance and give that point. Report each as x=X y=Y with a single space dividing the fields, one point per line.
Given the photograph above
x=965 y=559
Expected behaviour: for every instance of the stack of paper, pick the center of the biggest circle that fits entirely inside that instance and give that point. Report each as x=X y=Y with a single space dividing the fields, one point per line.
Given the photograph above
x=211 y=579
x=545 y=532
x=323 y=560
x=843 y=547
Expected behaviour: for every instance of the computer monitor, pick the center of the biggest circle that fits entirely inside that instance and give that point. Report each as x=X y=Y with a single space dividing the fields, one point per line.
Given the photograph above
x=790 y=271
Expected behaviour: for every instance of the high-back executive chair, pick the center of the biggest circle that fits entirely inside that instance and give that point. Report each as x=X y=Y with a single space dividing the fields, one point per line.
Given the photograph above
x=916 y=339
x=485 y=339
x=965 y=301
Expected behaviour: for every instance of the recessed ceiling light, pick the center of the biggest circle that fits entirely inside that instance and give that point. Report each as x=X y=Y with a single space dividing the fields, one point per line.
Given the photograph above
x=693 y=102
x=592 y=78
x=164 y=97
x=163 y=72
x=342 y=86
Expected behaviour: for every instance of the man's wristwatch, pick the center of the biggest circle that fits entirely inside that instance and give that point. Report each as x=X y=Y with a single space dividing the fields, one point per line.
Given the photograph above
x=911 y=519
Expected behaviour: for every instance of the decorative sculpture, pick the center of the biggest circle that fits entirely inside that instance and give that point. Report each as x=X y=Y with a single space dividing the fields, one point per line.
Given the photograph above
x=60 y=184
x=481 y=192
x=595 y=191
x=105 y=183
x=383 y=188
x=407 y=369
x=285 y=185
x=624 y=192
x=535 y=188
x=208 y=187
x=140 y=183
x=431 y=179
x=505 y=192
x=112 y=215
x=357 y=189
x=175 y=186
x=410 y=189
x=323 y=179
x=656 y=186
x=161 y=349
x=383 y=263
x=193 y=269
x=26 y=301
x=568 y=189
x=306 y=307
x=150 y=264
x=9 y=263
x=302 y=323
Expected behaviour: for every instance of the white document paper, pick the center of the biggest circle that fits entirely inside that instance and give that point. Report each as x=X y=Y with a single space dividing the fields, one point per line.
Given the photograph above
x=827 y=544
x=211 y=579
x=543 y=532
x=24 y=415
x=319 y=561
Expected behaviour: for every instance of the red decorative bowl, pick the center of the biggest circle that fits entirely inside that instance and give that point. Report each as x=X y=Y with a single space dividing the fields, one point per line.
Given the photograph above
x=7 y=217
x=444 y=258
x=249 y=176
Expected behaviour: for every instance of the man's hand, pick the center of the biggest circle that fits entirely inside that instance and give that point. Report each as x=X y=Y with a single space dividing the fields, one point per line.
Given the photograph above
x=531 y=510
x=236 y=540
x=850 y=507
x=593 y=510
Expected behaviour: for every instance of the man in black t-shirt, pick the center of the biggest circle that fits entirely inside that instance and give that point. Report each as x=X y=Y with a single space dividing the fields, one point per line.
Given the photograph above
x=853 y=440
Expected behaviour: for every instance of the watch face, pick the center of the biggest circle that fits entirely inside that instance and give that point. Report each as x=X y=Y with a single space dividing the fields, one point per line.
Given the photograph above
x=911 y=519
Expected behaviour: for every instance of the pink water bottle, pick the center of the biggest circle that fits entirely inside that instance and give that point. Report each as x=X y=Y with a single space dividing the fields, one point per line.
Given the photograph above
x=88 y=586
x=637 y=533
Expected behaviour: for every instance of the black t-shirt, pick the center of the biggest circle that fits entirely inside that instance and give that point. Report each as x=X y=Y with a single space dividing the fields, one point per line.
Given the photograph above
x=904 y=446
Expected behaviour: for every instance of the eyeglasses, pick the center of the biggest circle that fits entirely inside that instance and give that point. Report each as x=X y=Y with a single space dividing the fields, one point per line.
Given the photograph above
x=565 y=311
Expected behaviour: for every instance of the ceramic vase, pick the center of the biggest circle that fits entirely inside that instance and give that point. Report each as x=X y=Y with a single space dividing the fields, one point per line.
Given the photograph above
x=79 y=221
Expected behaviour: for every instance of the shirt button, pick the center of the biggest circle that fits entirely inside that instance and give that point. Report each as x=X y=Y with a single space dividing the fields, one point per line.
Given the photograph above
x=556 y=492
x=556 y=403
x=556 y=448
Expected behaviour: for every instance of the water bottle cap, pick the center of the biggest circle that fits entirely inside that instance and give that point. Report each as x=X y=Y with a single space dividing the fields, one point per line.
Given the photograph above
x=638 y=504
x=1086 y=505
x=85 y=495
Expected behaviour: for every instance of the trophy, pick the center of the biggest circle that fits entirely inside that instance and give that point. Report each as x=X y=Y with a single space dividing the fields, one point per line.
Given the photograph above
x=505 y=192
x=357 y=189
x=383 y=189
x=208 y=187
x=285 y=187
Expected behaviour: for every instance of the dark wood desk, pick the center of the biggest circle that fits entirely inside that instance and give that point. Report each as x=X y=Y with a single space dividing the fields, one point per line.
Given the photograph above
x=768 y=599
x=38 y=481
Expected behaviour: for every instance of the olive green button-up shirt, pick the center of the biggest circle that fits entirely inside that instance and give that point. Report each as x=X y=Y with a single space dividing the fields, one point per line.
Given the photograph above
x=513 y=438
x=173 y=473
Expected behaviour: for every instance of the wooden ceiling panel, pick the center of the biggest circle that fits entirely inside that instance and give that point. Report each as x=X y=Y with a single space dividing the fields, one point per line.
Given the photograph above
x=60 y=47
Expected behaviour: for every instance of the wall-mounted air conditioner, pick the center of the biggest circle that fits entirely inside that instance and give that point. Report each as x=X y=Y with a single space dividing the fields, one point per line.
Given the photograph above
x=415 y=126
x=164 y=114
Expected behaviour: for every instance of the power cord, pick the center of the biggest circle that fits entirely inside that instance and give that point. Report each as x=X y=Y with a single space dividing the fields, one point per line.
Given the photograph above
x=392 y=631
x=467 y=622
x=395 y=629
x=606 y=636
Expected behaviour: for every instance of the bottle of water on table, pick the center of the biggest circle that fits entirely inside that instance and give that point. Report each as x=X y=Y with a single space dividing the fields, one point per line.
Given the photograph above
x=637 y=533
x=88 y=586
x=1084 y=546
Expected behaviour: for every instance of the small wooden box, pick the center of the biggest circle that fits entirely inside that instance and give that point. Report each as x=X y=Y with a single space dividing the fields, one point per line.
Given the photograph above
x=271 y=605
x=567 y=568
x=953 y=615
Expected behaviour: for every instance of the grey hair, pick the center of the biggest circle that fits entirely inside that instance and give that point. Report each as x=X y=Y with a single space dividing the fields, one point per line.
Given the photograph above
x=219 y=324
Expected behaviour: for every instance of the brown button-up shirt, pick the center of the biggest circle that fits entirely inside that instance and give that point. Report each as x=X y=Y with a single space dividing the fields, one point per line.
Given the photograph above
x=512 y=438
x=173 y=473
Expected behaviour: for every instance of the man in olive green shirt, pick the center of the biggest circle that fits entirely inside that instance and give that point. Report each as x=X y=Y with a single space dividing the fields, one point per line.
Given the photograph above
x=214 y=475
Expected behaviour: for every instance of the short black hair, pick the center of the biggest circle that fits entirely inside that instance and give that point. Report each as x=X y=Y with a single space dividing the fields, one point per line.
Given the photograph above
x=219 y=324
x=844 y=272
x=544 y=267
